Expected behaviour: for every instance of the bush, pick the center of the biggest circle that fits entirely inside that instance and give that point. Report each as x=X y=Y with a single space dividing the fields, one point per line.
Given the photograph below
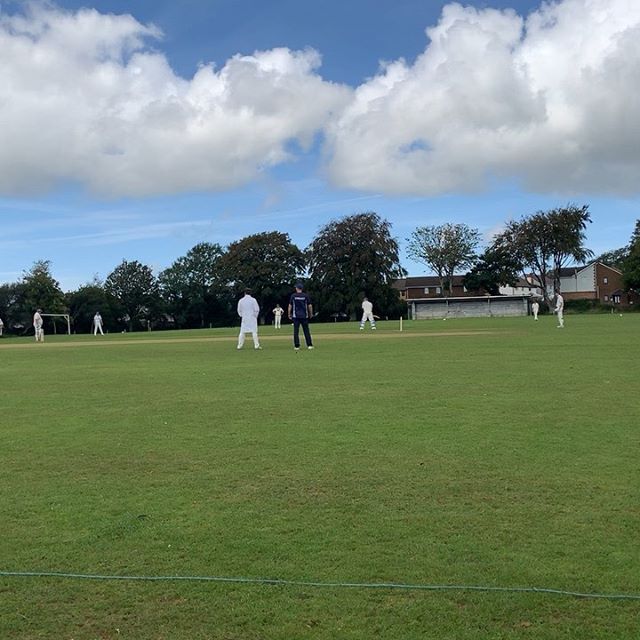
x=587 y=306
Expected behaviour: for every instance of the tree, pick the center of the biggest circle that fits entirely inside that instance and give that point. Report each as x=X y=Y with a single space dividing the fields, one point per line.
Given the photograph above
x=267 y=263
x=631 y=265
x=545 y=241
x=41 y=290
x=86 y=301
x=496 y=267
x=135 y=288
x=11 y=311
x=354 y=257
x=614 y=258
x=445 y=249
x=192 y=287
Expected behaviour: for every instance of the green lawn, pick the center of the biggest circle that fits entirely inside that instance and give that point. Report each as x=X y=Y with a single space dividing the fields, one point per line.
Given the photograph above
x=498 y=453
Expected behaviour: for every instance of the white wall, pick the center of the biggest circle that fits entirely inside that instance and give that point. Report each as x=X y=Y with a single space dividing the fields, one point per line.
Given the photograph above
x=584 y=281
x=488 y=307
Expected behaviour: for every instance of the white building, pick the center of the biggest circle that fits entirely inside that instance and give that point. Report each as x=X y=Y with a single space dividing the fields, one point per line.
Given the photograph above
x=524 y=287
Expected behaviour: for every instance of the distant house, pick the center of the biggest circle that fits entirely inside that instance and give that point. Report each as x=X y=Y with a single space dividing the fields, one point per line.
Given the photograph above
x=624 y=298
x=528 y=286
x=595 y=281
x=420 y=287
x=425 y=299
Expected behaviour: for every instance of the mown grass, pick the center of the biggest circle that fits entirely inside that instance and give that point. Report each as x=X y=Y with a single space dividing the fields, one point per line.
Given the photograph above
x=503 y=453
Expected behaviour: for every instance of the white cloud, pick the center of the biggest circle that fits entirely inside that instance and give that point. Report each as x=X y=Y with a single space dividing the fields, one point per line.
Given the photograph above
x=550 y=101
x=83 y=99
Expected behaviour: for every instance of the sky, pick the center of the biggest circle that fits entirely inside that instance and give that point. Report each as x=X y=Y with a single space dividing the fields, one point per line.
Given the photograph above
x=135 y=130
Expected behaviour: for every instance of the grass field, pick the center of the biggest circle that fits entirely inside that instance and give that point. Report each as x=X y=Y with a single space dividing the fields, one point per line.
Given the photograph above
x=498 y=453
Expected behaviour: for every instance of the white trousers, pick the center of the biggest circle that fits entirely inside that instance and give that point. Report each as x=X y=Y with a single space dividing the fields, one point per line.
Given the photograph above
x=254 y=334
x=367 y=316
x=560 y=319
x=278 y=320
x=98 y=327
x=39 y=334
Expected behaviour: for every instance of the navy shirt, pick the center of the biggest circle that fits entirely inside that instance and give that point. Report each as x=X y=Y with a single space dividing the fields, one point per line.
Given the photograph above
x=299 y=302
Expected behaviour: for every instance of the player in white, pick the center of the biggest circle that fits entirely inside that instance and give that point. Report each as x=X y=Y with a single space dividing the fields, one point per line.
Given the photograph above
x=367 y=314
x=1 y=326
x=97 y=324
x=535 y=307
x=559 y=310
x=277 y=314
x=37 y=325
x=248 y=310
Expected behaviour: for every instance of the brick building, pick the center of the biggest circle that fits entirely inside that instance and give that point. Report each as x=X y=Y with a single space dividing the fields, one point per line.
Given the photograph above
x=595 y=281
x=425 y=299
x=420 y=287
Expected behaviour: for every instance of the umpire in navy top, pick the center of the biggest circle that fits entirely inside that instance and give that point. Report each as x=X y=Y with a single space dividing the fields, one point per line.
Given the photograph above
x=300 y=310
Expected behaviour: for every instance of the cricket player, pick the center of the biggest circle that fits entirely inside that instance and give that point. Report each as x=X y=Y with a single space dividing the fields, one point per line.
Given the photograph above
x=559 y=310
x=535 y=308
x=37 y=325
x=248 y=310
x=300 y=310
x=277 y=314
x=367 y=314
x=1 y=326
x=97 y=324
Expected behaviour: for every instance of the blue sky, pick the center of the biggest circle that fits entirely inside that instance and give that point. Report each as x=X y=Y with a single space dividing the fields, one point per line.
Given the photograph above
x=135 y=130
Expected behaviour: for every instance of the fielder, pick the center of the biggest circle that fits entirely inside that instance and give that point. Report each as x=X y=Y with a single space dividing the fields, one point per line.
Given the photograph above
x=300 y=310
x=367 y=314
x=559 y=310
x=248 y=310
x=277 y=315
x=535 y=308
x=37 y=325
x=97 y=324
x=1 y=326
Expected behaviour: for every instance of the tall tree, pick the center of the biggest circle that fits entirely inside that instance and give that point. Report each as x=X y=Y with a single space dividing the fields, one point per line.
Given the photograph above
x=631 y=265
x=444 y=248
x=41 y=290
x=85 y=301
x=11 y=311
x=267 y=263
x=546 y=241
x=353 y=257
x=495 y=267
x=135 y=288
x=614 y=258
x=192 y=287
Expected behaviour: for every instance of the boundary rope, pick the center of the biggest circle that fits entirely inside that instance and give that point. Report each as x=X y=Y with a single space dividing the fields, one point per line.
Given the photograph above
x=308 y=583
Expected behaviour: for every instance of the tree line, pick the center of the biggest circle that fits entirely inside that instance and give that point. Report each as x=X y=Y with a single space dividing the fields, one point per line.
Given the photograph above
x=349 y=258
